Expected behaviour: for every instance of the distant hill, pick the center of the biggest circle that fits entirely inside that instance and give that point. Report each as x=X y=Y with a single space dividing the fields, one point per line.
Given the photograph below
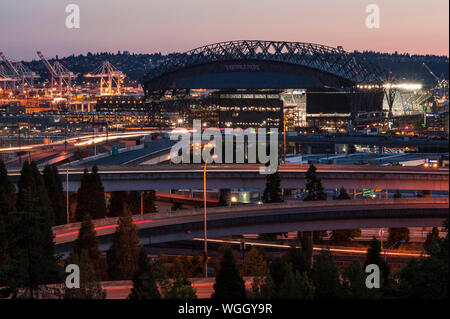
x=407 y=67
x=404 y=67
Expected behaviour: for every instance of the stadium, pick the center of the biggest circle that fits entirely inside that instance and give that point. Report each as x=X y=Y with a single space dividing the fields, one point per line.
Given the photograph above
x=254 y=83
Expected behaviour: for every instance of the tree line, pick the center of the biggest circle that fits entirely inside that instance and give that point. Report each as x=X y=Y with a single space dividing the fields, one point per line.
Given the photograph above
x=28 y=264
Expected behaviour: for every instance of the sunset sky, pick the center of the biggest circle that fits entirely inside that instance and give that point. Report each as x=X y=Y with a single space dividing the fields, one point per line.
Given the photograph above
x=147 y=26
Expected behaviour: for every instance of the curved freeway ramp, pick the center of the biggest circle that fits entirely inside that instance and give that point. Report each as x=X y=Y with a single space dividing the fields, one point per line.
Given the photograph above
x=269 y=218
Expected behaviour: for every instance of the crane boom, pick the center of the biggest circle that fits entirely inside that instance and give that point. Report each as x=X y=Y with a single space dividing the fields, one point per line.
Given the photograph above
x=47 y=64
x=431 y=72
x=9 y=65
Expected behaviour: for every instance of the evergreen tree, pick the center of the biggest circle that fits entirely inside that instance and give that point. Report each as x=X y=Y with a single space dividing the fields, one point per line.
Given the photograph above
x=117 y=203
x=314 y=186
x=374 y=257
x=4 y=257
x=272 y=192
x=42 y=197
x=229 y=283
x=83 y=196
x=98 y=195
x=427 y=278
x=263 y=287
x=307 y=240
x=277 y=270
x=26 y=187
x=7 y=193
x=133 y=202
x=90 y=287
x=123 y=255
x=55 y=193
x=144 y=282
x=432 y=239
x=254 y=263
x=296 y=286
x=296 y=258
x=87 y=240
x=326 y=277
x=343 y=195
x=355 y=282
x=197 y=266
x=30 y=249
x=181 y=288
x=398 y=234
x=91 y=196
x=179 y=265
x=7 y=206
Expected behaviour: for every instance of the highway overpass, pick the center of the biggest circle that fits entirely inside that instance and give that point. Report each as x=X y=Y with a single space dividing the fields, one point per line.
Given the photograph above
x=268 y=218
x=247 y=176
x=169 y=176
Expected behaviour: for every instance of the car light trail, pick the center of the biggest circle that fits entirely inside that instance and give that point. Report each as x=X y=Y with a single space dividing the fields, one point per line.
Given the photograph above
x=336 y=250
x=16 y=148
x=102 y=227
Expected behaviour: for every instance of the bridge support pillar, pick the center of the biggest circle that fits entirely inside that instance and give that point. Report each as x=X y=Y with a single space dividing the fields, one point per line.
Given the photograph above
x=354 y=193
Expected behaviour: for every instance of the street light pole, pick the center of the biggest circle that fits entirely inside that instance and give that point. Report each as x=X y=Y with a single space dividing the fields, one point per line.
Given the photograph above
x=284 y=137
x=67 y=192
x=204 y=216
x=204 y=220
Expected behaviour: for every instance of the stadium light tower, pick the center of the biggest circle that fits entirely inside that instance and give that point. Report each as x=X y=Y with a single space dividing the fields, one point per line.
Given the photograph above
x=390 y=91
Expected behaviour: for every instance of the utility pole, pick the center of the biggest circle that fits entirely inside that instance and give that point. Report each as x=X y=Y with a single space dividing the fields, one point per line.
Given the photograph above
x=204 y=220
x=67 y=192
x=284 y=137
